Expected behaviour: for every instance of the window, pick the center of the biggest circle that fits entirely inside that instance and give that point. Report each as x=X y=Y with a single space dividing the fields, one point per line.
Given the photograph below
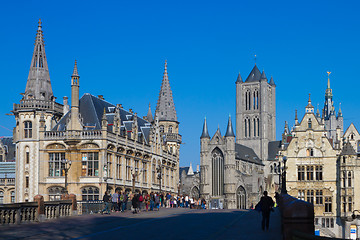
x=153 y=172
x=328 y=204
x=118 y=167
x=109 y=165
x=28 y=129
x=56 y=167
x=144 y=172
x=246 y=128
x=310 y=173
x=55 y=193
x=26 y=182
x=350 y=204
x=309 y=152
x=344 y=204
x=1 y=157
x=1 y=197
x=90 y=194
x=309 y=123
x=349 y=179
x=258 y=126
x=170 y=129
x=331 y=222
x=247 y=100
x=128 y=169
x=217 y=173
x=344 y=179
x=137 y=168
x=318 y=173
x=310 y=196
x=301 y=195
x=319 y=197
x=90 y=164
x=323 y=222
x=161 y=128
x=301 y=173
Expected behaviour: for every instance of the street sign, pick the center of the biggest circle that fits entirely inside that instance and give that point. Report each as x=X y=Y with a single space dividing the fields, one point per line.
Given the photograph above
x=353 y=232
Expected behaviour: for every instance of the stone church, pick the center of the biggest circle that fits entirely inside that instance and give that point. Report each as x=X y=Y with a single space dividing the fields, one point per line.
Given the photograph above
x=235 y=169
x=101 y=146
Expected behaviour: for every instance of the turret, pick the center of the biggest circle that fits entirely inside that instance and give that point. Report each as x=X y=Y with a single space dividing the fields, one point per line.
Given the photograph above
x=75 y=121
x=229 y=130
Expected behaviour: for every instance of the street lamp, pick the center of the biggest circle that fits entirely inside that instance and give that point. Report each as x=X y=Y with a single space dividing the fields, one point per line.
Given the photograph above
x=67 y=165
x=135 y=172
x=283 y=185
x=106 y=176
x=159 y=176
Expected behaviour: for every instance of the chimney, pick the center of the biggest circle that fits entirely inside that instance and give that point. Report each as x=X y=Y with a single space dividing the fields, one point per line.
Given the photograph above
x=101 y=97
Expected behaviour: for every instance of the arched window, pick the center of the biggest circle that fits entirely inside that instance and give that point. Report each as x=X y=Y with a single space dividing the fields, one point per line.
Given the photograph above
x=249 y=128
x=349 y=179
x=90 y=194
x=12 y=196
x=350 y=204
x=256 y=99
x=217 y=173
x=254 y=121
x=247 y=100
x=241 y=198
x=55 y=193
x=27 y=129
x=309 y=123
x=258 y=126
x=27 y=155
x=161 y=128
x=245 y=126
x=170 y=129
x=344 y=179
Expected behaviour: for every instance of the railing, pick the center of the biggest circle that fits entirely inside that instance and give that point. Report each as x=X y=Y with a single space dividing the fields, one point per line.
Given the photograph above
x=55 y=209
x=18 y=212
x=89 y=207
x=172 y=137
x=39 y=104
x=63 y=135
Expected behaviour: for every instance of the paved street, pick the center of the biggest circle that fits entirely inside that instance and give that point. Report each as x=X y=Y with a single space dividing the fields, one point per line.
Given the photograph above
x=165 y=224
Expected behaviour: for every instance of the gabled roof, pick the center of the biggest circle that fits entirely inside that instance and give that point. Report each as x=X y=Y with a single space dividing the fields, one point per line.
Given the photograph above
x=273 y=149
x=91 y=110
x=254 y=76
x=348 y=149
x=246 y=154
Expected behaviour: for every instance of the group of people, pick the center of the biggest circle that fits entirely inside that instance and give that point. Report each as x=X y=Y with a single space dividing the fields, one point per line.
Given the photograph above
x=153 y=201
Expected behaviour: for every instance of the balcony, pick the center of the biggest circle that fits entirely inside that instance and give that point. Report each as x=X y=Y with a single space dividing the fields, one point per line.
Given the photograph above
x=172 y=137
x=38 y=105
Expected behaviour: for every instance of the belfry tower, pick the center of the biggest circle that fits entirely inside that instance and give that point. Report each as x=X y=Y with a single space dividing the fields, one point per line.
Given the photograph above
x=36 y=112
x=256 y=112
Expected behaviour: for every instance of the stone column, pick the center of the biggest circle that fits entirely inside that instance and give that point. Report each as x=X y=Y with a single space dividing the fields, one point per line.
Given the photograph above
x=40 y=209
x=72 y=197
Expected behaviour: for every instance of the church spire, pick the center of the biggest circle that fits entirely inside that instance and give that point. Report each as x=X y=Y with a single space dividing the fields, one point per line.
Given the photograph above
x=165 y=107
x=205 y=132
x=229 y=130
x=38 y=84
x=328 y=100
x=149 y=115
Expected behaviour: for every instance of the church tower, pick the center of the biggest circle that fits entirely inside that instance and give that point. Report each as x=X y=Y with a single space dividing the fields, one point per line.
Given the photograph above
x=256 y=112
x=36 y=112
x=165 y=111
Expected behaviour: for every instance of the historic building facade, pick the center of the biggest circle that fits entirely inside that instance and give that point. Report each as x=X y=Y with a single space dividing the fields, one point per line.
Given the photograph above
x=7 y=170
x=236 y=170
x=98 y=145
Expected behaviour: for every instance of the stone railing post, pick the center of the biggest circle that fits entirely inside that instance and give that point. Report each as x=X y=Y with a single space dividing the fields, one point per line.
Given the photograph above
x=40 y=215
x=72 y=197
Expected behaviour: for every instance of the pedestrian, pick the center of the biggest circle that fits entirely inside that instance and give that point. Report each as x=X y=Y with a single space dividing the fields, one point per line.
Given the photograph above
x=186 y=201
x=152 y=201
x=125 y=200
x=157 y=201
x=115 y=201
x=266 y=206
x=147 y=201
x=107 y=201
x=134 y=201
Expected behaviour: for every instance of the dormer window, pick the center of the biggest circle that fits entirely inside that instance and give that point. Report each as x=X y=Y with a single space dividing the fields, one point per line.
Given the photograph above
x=309 y=123
x=309 y=152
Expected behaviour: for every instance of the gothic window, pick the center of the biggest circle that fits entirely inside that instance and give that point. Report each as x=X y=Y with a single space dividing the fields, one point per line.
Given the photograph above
x=55 y=193
x=310 y=196
x=27 y=155
x=301 y=173
x=246 y=130
x=161 y=128
x=349 y=179
x=170 y=129
x=109 y=165
x=118 y=167
x=144 y=173
x=56 y=167
x=90 y=194
x=350 y=204
x=256 y=99
x=344 y=179
x=241 y=198
x=28 y=129
x=344 y=204
x=301 y=195
x=309 y=173
x=309 y=123
x=128 y=169
x=258 y=126
x=328 y=204
x=249 y=128
x=153 y=171
x=217 y=173
x=319 y=173
x=254 y=120
x=247 y=100
x=319 y=197
x=90 y=164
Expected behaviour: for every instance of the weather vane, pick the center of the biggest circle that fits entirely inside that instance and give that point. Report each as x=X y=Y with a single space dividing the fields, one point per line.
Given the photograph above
x=328 y=74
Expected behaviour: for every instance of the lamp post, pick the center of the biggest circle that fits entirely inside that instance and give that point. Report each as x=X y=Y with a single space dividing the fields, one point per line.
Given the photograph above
x=283 y=185
x=67 y=165
x=159 y=176
x=135 y=172
x=106 y=176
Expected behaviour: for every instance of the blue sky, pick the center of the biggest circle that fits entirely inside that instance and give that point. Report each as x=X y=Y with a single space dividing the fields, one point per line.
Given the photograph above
x=121 y=47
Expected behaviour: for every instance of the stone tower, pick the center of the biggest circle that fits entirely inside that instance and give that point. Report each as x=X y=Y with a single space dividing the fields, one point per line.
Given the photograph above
x=256 y=112
x=36 y=112
x=165 y=112
x=332 y=122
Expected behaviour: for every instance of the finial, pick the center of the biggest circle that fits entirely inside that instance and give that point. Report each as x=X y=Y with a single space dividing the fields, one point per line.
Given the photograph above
x=165 y=65
x=39 y=22
x=328 y=86
x=296 y=117
x=309 y=98
x=75 y=72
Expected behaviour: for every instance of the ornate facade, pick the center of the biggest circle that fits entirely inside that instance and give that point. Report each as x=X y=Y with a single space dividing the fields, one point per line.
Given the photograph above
x=109 y=147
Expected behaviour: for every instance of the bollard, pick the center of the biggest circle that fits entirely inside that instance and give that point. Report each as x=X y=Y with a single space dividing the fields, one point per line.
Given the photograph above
x=72 y=197
x=40 y=213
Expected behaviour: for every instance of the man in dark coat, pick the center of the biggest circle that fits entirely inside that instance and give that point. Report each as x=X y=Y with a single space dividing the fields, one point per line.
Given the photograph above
x=266 y=205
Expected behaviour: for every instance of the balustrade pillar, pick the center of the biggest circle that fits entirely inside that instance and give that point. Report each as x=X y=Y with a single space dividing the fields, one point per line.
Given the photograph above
x=73 y=210
x=40 y=208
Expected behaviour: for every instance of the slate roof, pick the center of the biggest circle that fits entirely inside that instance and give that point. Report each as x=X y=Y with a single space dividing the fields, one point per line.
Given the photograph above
x=254 y=76
x=273 y=150
x=246 y=154
x=91 y=109
x=348 y=149
x=7 y=169
x=9 y=148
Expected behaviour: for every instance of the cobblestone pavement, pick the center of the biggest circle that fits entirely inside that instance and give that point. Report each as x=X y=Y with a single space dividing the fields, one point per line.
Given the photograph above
x=165 y=224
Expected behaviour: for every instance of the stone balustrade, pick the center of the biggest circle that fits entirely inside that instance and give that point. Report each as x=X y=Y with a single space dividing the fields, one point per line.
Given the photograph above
x=38 y=104
x=173 y=137
x=61 y=135
x=38 y=210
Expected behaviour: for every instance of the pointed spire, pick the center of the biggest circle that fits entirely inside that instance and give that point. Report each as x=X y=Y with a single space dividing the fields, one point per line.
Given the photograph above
x=205 y=132
x=190 y=171
x=149 y=115
x=165 y=108
x=254 y=75
x=309 y=107
x=271 y=82
x=239 y=79
x=263 y=76
x=75 y=72
x=340 y=112
x=38 y=84
x=296 y=118
x=229 y=130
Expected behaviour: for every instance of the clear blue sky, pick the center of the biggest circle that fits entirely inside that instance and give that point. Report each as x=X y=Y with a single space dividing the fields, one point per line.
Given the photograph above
x=121 y=47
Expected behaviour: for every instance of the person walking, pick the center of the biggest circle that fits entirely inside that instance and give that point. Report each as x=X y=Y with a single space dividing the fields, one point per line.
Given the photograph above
x=107 y=201
x=265 y=206
x=115 y=201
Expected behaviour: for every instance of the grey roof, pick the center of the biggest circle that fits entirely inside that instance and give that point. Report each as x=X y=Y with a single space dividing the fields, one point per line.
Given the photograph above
x=348 y=149
x=91 y=109
x=205 y=132
x=271 y=82
x=254 y=76
x=165 y=108
x=9 y=148
x=38 y=84
x=246 y=154
x=239 y=78
x=7 y=169
x=273 y=149
x=229 y=130
x=263 y=76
